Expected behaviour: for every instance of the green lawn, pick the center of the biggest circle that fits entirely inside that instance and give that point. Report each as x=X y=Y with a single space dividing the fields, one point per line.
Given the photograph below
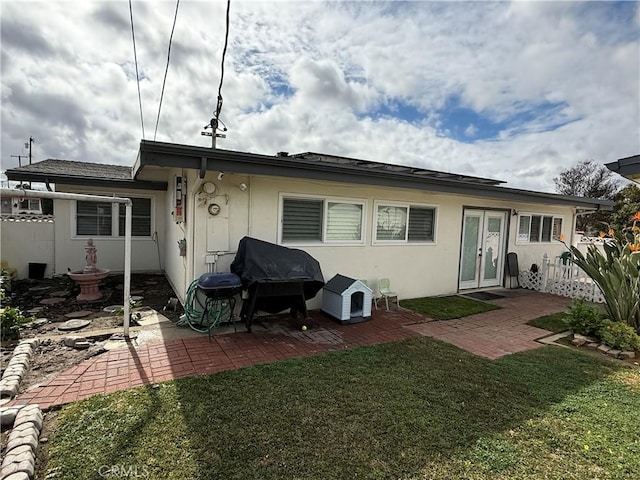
x=446 y=308
x=418 y=409
x=553 y=322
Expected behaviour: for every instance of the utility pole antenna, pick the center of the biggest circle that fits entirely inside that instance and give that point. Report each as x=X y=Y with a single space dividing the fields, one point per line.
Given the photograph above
x=19 y=157
x=28 y=145
x=213 y=125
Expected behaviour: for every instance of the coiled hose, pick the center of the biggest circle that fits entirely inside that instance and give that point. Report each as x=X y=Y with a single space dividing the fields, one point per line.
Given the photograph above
x=201 y=313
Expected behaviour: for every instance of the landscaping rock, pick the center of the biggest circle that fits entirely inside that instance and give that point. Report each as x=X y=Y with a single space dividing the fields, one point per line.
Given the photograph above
x=8 y=389
x=30 y=414
x=39 y=289
x=78 y=314
x=37 y=323
x=604 y=348
x=26 y=466
x=627 y=355
x=71 y=341
x=17 y=476
x=112 y=308
x=60 y=293
x=35 y=310
x=614 y=353
x=26 y=437
x=81 y=345
x=52 y=301
x=32 y=342
x=8 y=416
x=75 y=324
x=578 y=340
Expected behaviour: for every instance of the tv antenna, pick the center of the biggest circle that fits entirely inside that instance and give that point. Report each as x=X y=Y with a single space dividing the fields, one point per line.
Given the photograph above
x=214 y=125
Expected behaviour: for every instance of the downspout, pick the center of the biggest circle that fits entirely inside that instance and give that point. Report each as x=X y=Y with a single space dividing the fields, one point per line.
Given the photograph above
x=191 y=228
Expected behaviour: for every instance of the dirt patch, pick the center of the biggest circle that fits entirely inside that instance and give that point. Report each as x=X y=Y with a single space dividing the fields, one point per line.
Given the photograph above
x=52 y=356
x=42 y=455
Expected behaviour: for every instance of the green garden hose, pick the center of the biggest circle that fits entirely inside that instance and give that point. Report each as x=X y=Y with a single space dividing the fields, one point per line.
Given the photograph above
x=194 y=310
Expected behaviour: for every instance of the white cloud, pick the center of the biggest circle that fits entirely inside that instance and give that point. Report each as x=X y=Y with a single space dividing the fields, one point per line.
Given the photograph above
x=313 y=76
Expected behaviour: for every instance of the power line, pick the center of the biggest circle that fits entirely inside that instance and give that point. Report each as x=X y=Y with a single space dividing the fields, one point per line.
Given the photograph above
x=224 y=53
x=135 y=57
x=175 y=17
x=216 y=114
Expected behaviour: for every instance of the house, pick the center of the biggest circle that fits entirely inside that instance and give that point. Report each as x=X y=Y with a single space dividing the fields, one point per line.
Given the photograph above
x=628 y=167
x=429 y=232
x=16 y=205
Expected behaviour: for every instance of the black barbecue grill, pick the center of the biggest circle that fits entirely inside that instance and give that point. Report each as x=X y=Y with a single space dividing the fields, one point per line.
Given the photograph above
x=219 y=290
x=219 y=285
x=276 y=278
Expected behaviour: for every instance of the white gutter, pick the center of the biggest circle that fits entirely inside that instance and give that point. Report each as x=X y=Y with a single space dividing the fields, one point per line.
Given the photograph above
x=127 y=236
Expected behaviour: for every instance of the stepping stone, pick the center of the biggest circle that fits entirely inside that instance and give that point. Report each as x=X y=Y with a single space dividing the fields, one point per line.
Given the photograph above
x=112 y=308
x=38 y=322
x=78 y=314
x=52 y=301
x=60 y=293
x=136 y=298
x=39 y=289
x=137 y=292
x=74 y=324
x=35 y=310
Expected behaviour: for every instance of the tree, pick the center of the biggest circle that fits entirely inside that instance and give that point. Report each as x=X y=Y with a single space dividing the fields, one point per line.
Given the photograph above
x=593 y=180
x=627 y=204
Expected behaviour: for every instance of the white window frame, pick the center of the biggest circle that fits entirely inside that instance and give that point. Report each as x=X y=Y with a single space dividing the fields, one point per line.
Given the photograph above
x=520 y=238
x=115 y=212
x=326 y=200
x=407 y=205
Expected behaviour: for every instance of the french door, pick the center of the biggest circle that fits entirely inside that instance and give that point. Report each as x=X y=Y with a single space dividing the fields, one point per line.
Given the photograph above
x=482 y=250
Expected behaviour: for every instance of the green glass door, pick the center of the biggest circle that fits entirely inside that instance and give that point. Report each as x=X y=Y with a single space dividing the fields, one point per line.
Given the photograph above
x=482 y=249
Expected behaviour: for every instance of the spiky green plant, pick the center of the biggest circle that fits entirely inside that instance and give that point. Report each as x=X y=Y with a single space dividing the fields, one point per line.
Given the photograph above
x=616 y=272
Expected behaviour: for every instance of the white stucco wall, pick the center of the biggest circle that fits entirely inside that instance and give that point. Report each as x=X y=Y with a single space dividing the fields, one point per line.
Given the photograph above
x=414 y=270
x=144 y=250
x=174 y=265
x=24 y=242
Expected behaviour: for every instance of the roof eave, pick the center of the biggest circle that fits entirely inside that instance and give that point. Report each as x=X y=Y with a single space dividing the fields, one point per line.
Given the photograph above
x=628 y=167
x=49 y=178
x=206 y=159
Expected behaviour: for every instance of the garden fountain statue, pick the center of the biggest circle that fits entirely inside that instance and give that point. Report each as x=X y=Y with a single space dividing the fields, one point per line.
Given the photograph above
x=90 y=276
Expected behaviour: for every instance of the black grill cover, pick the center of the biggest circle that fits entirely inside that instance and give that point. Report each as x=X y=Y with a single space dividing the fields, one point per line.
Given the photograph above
x=259 y=261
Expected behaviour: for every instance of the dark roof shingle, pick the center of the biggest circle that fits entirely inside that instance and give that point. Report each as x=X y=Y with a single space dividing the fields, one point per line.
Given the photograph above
x=52 y=166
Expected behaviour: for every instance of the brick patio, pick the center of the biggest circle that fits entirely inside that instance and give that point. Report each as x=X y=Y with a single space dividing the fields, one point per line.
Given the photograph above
x=491 y=335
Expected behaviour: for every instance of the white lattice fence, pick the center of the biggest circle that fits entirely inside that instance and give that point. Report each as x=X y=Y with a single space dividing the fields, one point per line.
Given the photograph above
x=563 y=278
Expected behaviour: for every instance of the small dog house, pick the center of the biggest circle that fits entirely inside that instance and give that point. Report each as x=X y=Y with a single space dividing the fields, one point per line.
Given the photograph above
x=346 y=300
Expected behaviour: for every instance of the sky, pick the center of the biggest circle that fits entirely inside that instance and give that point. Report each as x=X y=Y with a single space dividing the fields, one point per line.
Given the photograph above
x=515 y=91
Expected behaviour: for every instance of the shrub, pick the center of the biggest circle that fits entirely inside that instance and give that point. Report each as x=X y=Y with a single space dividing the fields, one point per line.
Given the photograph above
x=11 y=320
x=584 y=319
x=616 y=271
x=619 y=335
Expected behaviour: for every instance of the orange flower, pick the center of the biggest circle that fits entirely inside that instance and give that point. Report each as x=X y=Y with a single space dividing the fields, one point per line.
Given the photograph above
x=602 y=234
x=611 y=232
x=636 y=217
x=634 y=247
